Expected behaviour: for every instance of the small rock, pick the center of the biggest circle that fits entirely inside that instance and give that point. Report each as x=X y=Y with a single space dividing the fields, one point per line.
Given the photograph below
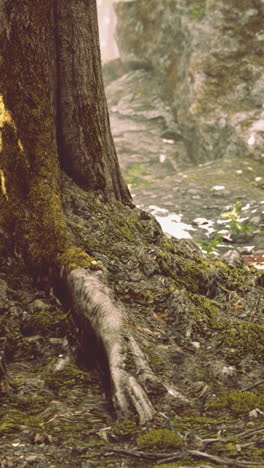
x=196 y=344
x=231 y=258
x=255 y=220
x=255 y=413
x=31 y=458
x=38 y=304
x=43 y=438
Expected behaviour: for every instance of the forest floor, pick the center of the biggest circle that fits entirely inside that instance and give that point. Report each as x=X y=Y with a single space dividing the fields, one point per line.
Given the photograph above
x=199 y=322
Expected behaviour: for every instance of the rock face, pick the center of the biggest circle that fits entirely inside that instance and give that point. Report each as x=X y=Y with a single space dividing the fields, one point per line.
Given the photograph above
x=208 y=58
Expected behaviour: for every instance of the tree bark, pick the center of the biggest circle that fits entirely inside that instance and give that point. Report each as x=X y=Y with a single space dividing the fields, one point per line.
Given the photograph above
x=85 y=141
x=54 y=114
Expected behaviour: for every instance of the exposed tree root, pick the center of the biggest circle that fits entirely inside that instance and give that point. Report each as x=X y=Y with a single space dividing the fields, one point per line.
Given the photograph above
x=146 y=376
x=94 y=307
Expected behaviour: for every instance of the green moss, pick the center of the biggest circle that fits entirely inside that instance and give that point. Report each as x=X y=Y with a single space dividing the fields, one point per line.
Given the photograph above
x=160 y=439
x=126 y=430
x=239 y=402
x=198 y=10
x=196 y=422
x=91 y=455
x=244 y=338
x=228 y=448
x=205 y=313
x=136 y=176
x=44 y=321
x=145 y=296
x=185 y=272
x=156 y=362
x=96 y=443
x=15 y=419
x=169 y=465
x=125 y=227
x=29 y=159
x=75 y=257
x=69 y=376
x=32 y=212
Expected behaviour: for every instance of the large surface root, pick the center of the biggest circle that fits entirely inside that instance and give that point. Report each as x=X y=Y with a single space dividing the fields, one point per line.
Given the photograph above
x=94 y=307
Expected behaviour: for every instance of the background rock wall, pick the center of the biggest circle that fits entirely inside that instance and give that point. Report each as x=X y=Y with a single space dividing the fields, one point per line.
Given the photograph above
x=208 y=58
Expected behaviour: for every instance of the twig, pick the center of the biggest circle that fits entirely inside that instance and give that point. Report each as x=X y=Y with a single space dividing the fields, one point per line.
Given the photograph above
x=219 y=460
x=250 y=387
x=247 y=434
x=212 y=458
x=162 y=458
x=205 y=442
x=242 y=435
x=139 y=454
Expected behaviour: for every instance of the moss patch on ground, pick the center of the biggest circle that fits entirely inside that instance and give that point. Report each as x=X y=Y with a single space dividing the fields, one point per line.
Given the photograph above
x=160 y=439
x=238 y=402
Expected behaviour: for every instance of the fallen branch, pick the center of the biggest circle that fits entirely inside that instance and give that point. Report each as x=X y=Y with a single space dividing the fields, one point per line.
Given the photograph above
x=140 y=454
x=250 y=387
x=211 y=458
x=162 y=458
x=248 y=434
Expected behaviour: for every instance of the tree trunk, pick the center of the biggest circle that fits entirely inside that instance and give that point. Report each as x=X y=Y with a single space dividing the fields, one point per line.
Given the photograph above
x=54 y=114
x=85 y=142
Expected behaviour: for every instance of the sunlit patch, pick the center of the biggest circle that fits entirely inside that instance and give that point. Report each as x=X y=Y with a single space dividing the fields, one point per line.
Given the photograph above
x=218 y=187
x=171 y=223
x=258 y=125
x=169 y=141
x=205 y=224
x=251 y=140
x=20 y=145
x=3 y=184
x=5 y=118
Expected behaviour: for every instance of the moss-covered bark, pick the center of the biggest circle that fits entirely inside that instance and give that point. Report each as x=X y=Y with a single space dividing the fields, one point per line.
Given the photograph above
x=31 y=209
x=44 y=113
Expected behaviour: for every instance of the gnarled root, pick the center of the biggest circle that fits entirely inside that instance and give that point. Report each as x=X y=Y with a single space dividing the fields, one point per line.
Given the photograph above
x=128 y=394
x=94 y=307
x=145 y=375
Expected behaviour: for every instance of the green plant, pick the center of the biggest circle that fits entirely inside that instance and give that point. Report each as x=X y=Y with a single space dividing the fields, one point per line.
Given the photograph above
x=210 y=246
x=235 y=227
x=136 y=176
x=198 y=11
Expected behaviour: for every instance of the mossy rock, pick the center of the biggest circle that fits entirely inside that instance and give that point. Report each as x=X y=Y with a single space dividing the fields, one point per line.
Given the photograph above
x=160 y=439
